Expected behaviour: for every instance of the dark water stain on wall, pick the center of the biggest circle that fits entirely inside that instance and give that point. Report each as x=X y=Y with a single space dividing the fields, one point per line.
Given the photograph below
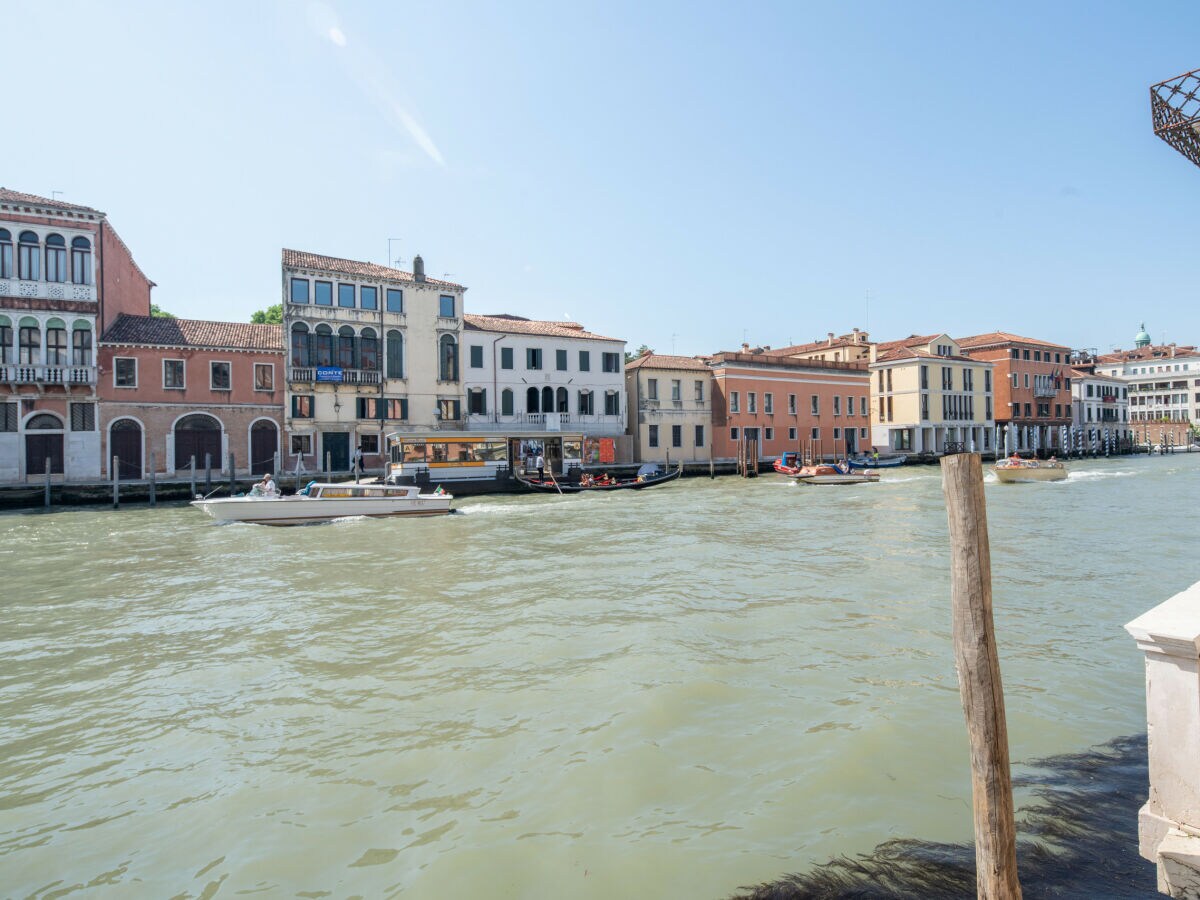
x=1078 y=839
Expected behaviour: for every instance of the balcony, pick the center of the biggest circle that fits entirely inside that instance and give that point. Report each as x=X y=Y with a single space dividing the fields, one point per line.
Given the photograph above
x=332 y=375
x=47 y=290
x=43 y=375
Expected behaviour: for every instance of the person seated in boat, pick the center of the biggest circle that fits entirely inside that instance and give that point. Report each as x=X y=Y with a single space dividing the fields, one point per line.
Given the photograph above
x=585 y=480
x=265 y=488
x=1014 y=459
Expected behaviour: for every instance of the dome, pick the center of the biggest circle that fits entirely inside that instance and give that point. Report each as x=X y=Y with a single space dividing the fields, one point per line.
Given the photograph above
x=1143 y=338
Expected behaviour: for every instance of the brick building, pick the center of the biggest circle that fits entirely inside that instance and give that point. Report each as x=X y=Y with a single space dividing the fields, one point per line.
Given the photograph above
x=816 y=406
x=178 y=388
x=1031 y=384
x=65 y=275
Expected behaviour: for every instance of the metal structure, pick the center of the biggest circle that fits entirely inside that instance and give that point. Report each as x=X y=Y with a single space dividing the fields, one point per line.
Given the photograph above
x=1175 y=107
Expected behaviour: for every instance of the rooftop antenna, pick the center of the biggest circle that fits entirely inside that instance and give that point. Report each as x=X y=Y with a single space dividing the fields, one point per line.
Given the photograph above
x=673 y=336
x=54 y=195
x=389 y=260
x=867 y=323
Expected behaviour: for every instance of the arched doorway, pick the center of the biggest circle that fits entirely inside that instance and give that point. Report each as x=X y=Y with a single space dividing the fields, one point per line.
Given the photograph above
x=264 y=442
x=125 y=443
x=196 y=435
x=531 y=400
x=547 y=399
x=562 y=405
x=44 y=441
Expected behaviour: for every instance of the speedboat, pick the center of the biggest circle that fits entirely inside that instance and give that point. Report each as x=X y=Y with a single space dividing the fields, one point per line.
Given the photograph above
x=322 y=502
x=788 y=464
x=881 y=462
x=833 y=475
x=1015 y=469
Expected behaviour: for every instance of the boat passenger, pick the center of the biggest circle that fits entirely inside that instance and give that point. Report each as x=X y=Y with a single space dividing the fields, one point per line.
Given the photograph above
x=265 y=488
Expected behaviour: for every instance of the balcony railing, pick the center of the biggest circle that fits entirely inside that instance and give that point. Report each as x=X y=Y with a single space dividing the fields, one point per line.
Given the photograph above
x=47 y=290
x=37 y=374
x=308 y=375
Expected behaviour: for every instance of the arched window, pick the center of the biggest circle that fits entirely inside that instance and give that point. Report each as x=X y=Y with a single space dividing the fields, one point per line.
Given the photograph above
x=448 y=358
x=7 y=354
x=81 y=343
x=506 y=402
x=531 y=400
x=547 y=399
x=5 y=253
x=56 y=342
x=29 y=257
x=301 y=355
x=81 y=260
x=368 y=349
x=29 y=342
x=346 y=357
x=395 y=354
x=56 y=258
x=323 y=346
x=562 y=401
x=44 y=422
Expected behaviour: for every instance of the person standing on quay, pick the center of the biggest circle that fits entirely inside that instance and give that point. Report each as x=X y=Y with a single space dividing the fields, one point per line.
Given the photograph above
x=540 y=462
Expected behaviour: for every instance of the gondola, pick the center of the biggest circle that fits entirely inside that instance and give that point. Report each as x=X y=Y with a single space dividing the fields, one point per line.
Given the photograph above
x=883 y=462
x=648 y=476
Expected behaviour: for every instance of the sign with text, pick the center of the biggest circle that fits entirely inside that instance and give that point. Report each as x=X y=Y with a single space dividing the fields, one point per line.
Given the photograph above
x=329 y=373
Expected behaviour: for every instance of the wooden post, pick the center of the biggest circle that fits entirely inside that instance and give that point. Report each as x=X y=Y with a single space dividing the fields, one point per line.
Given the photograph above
x=152 y=485
x=47 y=482
x=712 y=466
x=207 y=474
x=979 y=682
x=328 y=463
x=232 y=474
x=193 y=464
x=116 y=478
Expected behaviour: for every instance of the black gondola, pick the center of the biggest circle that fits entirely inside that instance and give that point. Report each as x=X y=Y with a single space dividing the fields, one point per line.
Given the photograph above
x=642 y=480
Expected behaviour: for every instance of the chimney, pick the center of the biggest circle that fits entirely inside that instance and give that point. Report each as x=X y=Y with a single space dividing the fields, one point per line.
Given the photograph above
x=418 y=268
x=745 y=348
x=831 y=339
x=647 y=352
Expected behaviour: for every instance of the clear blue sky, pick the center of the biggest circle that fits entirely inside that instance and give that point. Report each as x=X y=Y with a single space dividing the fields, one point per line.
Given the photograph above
x=673 y=174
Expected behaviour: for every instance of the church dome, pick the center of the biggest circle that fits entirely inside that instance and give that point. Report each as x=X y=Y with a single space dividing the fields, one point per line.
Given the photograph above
x=1143 y=338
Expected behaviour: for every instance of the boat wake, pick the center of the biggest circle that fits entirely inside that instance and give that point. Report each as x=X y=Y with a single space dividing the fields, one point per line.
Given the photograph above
x=1092 y=475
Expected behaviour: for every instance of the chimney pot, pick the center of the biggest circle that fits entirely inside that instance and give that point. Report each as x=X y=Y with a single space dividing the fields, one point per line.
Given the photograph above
x=418 y=268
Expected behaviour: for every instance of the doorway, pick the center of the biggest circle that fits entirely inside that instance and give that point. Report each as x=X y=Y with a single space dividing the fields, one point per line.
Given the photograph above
x=264 y=443
x=125 y=443
x=336 y=446
x=43 y=441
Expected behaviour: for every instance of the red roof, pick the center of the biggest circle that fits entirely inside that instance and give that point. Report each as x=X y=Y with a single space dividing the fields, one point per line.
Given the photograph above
x=1158 y=351
x=663 y=361
x=10 y=196
x=1003 y=337
x=299 y=259
x=506 y=324
x=855 y=339
x=161 y=331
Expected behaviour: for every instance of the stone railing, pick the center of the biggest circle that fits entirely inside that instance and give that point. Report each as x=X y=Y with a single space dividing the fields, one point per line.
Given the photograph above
x=1169 y=823
x=48 y=290
x=39 y=374
x=308 y=375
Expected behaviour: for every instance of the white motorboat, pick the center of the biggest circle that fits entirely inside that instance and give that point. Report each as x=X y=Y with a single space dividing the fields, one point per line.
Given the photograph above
x=833 y=475
x=322 y=502
x=1012 y=470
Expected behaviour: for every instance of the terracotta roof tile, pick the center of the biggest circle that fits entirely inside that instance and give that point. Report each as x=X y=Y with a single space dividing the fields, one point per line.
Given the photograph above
x=1003 y=337
x=516 y=325
x=664 y=361
x=193 y=333
x=1153 y=352
x=10 y=196
x=299 y=259
x=846 y=340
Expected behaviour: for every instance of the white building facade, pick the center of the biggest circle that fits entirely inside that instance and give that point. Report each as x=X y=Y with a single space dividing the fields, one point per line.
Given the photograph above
x=371 y=350
x=1099 y=403
x=523 y=375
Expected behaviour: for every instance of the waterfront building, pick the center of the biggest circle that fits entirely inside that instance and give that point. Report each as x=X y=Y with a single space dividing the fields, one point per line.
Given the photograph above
x=818 y=407
x=928 y=397
x=670 y=408
x=1099 y=403
x=1163 y=381
x=853 y=347
x=524 y=375
x=65 y=274
x=1032 y=386
x=371 y=350
x=174 y=389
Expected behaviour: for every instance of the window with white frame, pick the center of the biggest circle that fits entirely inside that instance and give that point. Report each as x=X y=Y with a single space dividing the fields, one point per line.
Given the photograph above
x=751 y=402
x=124 y=372
x=816 y=434
x=837 y=405
x=768 y=434
x=676 y=390
x=791 y=434
x=849 y=406
x=734 y=402
x=174 y=374
x=220 y=376
x=301 y=444
x=791 y=404
x=815 y=405
x=264 y=377
x=768 y=403
x=699 y=392
x=651 y=388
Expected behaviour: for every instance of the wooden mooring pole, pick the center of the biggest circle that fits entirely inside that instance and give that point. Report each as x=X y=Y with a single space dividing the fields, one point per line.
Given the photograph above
x=153 y=492
x=979 y=682
x=207 y=474
x=193 y=467
x=116 y=477
x=47 y=482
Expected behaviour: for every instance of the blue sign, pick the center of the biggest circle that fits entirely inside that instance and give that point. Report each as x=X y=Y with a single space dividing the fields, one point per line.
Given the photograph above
x=329 y=373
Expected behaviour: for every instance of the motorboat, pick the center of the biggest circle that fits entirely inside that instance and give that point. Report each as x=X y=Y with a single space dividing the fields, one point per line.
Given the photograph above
x=789 y=464
x=321 y=502
x=881 y=462
x=1014 y=469
x=833 y=475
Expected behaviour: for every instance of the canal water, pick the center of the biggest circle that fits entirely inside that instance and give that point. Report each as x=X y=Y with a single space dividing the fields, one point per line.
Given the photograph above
x=662 y=694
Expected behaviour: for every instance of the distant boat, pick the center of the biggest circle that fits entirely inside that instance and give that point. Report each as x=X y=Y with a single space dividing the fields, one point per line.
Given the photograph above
x=650 y=475
x=882 y=462
x=788 y=464
x=1013 y=470
x=322 y=502
x=833 y=475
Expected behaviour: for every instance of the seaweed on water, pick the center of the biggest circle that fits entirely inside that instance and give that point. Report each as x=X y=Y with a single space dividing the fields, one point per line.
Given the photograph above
x=1078 y=838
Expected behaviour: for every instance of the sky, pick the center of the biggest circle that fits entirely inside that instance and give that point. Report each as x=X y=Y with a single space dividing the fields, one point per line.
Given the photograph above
x=686 y=176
